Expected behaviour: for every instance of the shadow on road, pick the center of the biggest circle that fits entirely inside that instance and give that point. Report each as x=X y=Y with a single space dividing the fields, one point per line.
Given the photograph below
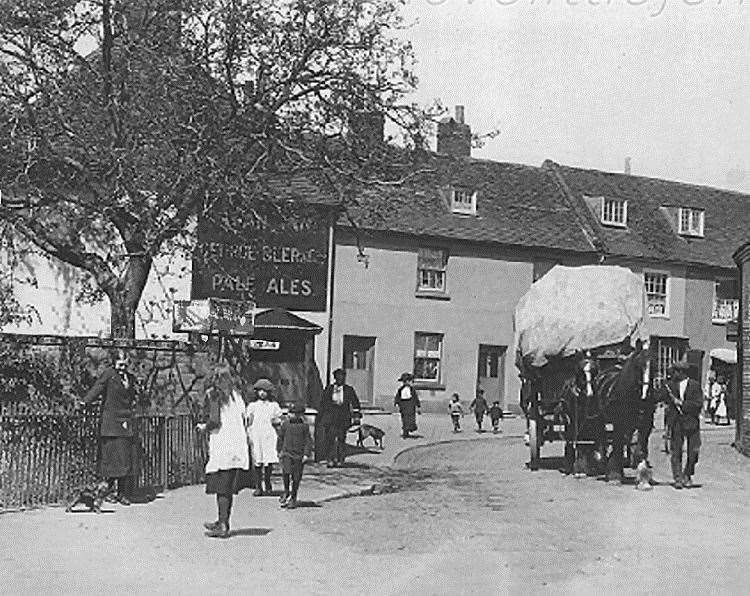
x=250 y=532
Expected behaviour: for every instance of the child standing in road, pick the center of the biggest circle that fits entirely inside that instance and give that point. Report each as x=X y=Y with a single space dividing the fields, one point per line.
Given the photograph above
x=294 y=447
x=479 y=406
x=457 y=412
x=496 y=415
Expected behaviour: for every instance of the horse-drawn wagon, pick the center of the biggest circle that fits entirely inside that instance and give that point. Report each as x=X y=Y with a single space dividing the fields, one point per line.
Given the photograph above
x=583 y=367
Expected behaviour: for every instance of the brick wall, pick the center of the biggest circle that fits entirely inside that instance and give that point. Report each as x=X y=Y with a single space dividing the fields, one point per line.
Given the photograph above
x=742 y=440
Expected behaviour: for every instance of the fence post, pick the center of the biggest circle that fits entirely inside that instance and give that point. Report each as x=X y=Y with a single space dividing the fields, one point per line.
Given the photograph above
x=164 y=454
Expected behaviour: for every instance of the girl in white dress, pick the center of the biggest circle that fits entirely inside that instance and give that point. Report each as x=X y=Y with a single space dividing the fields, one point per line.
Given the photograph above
x=227 y=446
x=263 y=415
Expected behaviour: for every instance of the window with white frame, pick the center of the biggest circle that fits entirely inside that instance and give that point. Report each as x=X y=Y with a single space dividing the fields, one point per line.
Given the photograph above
x=690 y=221
x=428 y=352
x=431 y=264
x=614 y=212
x=463 y=201
x=657 y=293
x=726 y=301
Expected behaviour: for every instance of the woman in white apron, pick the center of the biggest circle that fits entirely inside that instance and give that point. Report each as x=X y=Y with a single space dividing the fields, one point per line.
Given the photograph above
x=263 y=415
x=227 y=446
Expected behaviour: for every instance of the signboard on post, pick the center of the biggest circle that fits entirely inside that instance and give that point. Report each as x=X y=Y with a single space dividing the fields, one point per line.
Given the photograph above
x=277 y=258
x=214 y=316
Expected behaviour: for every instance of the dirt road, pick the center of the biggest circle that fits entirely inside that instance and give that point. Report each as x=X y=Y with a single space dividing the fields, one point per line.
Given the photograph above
x=465 y=518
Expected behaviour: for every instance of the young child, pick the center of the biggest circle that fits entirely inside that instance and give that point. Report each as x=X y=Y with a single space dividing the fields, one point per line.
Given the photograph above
x=496 y=415
x=456 y=411
x=294 y=447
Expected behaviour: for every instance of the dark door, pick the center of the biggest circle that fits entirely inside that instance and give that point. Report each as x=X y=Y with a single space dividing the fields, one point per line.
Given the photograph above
x=491 y=373
x=359 y=364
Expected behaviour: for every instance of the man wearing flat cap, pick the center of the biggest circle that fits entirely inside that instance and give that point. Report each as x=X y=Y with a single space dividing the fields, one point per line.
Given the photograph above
x=684 y=406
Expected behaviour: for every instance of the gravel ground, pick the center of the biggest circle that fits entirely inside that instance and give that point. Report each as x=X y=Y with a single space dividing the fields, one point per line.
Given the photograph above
x=512 y=530
x=452 y=518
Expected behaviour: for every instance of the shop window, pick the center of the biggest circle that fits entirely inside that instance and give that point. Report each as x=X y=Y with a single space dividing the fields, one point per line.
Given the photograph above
x=431 y=265
x=726 y=301
x=667 y=351
x=428 y=353
x=657 y=293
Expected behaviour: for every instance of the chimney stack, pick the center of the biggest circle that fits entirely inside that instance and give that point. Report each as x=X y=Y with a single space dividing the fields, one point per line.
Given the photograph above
x=459 y=114
x=454 y=135
x=627 y=166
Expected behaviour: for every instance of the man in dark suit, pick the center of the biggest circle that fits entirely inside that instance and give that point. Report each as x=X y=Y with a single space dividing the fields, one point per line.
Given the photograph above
x=684 y=405
x=339 y=406
x=117 y=447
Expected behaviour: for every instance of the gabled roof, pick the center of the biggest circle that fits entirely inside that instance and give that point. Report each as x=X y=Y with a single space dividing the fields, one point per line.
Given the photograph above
x=517 y=205
x=650 y=234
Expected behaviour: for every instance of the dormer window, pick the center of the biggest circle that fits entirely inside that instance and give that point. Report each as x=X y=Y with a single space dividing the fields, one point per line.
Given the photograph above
x=690 y=221
x=463 y=201
x=614 y=212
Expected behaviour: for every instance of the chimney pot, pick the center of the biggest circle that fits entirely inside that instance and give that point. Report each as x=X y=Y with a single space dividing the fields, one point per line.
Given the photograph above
x=459 y=114
x=627 y=166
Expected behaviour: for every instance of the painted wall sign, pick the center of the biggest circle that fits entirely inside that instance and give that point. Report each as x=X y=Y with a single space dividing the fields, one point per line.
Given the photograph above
x=214 y=315
x=277 y=258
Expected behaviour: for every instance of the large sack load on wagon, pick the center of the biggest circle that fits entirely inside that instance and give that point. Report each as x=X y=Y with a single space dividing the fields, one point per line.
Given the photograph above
x=572 y=309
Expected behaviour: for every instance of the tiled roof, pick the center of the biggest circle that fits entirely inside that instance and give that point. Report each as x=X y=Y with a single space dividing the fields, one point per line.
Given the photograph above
x=516 y=205
x=650 y=234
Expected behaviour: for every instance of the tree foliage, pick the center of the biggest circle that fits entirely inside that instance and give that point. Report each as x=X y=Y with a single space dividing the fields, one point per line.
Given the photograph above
x=121 y=120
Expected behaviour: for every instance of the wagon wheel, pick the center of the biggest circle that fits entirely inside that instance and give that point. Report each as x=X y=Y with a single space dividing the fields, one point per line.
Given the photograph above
x=534 y=443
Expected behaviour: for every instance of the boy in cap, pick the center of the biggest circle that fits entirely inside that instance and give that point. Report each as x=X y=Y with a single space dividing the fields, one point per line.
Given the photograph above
x=294 y=447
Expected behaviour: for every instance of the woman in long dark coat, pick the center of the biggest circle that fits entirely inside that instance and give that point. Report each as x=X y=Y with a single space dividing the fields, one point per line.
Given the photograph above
x=407 y=401
x=118 y=454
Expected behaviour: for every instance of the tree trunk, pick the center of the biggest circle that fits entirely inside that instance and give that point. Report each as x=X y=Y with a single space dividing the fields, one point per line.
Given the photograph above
x=125 y=298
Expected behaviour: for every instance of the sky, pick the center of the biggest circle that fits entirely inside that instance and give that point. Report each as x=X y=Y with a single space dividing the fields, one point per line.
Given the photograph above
x=589 y=82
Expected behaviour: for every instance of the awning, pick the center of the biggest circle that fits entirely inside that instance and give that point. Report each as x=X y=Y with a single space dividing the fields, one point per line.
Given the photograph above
x=724 y=354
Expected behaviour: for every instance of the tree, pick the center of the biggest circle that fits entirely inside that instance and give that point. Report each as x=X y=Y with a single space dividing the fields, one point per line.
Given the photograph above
x=120 y=120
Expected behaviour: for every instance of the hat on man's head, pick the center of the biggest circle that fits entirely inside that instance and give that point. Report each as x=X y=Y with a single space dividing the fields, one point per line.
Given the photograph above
x=407 y=376
x=264 y=384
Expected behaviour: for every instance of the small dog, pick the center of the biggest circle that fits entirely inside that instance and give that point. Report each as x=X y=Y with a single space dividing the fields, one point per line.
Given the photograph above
x=367 y=430
x=92 y=495
x=644 y=477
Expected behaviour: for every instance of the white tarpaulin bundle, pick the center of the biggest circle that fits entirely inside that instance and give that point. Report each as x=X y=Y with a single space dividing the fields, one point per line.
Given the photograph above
x=578 y=308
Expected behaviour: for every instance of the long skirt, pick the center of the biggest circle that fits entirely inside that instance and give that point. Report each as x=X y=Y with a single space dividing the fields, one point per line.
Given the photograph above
x=118 y=457
x=408 y=417
x=227 y=482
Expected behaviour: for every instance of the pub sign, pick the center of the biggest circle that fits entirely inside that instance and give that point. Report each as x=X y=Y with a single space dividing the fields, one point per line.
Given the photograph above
x=275 y=255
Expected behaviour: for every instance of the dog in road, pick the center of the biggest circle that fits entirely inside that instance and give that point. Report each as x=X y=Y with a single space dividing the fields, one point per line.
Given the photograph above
x=92 y=495
x=644 y=477
x=367 y=430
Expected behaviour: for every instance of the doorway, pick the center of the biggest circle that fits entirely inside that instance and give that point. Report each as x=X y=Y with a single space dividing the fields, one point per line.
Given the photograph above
x=359 y=364
x=491 y=372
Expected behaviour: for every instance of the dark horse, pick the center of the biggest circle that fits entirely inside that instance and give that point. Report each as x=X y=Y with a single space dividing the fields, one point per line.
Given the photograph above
x=622 y=403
